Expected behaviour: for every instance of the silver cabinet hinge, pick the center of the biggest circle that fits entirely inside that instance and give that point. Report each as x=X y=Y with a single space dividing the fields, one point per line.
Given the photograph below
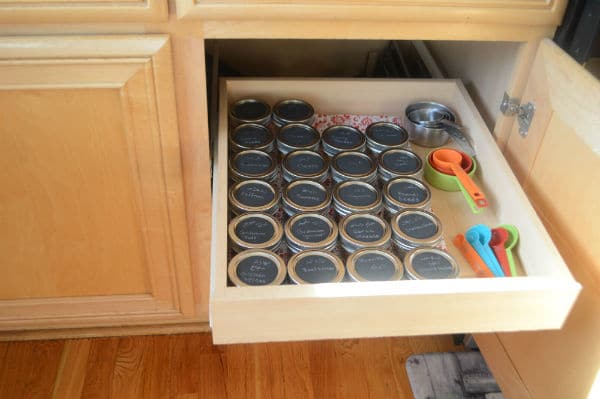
x=511 y=106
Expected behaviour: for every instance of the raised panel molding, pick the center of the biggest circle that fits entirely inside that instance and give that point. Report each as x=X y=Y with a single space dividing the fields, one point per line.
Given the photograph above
x=49 y=11
x=139 y=69
x=529 y=12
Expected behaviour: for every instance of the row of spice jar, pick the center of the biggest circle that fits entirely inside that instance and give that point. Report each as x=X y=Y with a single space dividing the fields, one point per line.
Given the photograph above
x=308 y=164
x=378 y=137
x=313 y=231
x=262 y=267
x=347 y=197
x=251 y=117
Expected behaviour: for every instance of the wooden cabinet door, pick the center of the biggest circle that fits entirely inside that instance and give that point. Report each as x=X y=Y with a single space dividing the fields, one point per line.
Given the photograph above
x=51 y=11
x=517 y=12
x=92 y=219
x=558 y=163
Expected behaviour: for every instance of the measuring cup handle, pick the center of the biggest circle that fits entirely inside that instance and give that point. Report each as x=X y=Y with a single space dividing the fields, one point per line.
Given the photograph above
x=456 y=132
x=469 y=185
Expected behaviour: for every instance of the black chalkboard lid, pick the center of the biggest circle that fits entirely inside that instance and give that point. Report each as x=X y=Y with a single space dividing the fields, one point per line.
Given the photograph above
x=296 y=258
x=345 y=237
x=353 y=258
x=239 y=243
x=272 y=256
x=291 y=237
x=413 y=274
x=403 y=236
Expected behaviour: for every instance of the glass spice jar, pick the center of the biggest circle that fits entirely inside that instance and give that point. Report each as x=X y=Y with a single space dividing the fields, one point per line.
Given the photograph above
x=256 y=267
x=383 y=136
x=364 y=230
x=314 y=267
x=304 y=164
x=305 y=231
x=253 y=196
x=251 y=136
x=353 y=165
x=255 y=231
x=374 y=264
x=293 y=111
x=249 y=110
x=414 y=228
x=253 y=164
x=403 y=193
x=430 y=264
x=297 y=136
x=306 y=196
x=341 y=138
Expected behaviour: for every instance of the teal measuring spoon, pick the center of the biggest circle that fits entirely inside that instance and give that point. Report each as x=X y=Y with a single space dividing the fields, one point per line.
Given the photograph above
x=479 y=237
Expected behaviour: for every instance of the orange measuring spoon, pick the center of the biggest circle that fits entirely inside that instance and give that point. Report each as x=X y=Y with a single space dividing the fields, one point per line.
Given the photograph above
x=449 y=161
x=477 y=264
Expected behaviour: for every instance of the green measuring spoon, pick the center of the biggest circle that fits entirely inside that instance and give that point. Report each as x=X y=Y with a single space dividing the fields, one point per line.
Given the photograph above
x=513 y=238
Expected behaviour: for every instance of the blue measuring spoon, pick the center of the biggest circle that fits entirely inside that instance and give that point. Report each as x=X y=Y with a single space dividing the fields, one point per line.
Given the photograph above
x=479 y=237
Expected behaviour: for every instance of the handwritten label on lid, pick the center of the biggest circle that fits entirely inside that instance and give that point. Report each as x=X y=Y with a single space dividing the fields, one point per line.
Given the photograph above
x=387 y=135
x=305 y=164
x=311 y=229
x=253 y=163
x=354 y=164
x=401 y=162
x=417 y=226
x=407 y=193
x=251 y=110
x=316 y=269
x=307 y=195
x=364 y=229
x=298 y=136
x=254 y=194
x=374 y=267
x=257 y=270
x=343 y=137
x=357 y=195
x=251 y=136
x=432 y=265
x=255 y=230
x=294 y=111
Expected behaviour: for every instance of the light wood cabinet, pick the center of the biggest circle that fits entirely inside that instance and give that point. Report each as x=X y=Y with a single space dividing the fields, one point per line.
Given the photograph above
x=92 y=220
x=52 y=11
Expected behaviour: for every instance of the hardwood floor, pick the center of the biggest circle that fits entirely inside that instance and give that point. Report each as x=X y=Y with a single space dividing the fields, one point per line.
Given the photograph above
x=189 y=367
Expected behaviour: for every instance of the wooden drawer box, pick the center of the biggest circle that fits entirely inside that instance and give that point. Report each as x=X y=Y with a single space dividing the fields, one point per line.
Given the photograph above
x=539 y=300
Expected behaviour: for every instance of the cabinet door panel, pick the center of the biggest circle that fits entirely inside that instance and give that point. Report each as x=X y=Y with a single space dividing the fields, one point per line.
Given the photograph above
x=92 y=222
x=48 y=11
x=558 y=164
x=530 y=12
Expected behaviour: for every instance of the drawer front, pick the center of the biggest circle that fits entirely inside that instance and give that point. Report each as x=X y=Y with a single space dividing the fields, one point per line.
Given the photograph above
x=539 y=299
x=49 y=11
x=531 y=12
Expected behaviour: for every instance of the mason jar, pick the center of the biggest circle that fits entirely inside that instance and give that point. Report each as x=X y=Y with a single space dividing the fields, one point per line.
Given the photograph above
x=356 y=197
x=374 y=264
x=249 y=110
x=399 y=163
x=353 y=165
x=253 y=164
x=403 y=193
x=314 y=267
x=341 y=138
x=306 y=196
x=304 y=164
x=251 y=136
x=297 y=136
x=293 y=111
x=255 y=231
x=305 y=231
x=416 y=228
x=383 y=136
x=430 y=264
x=253 y=196
x=256 y=267
x=364 y=230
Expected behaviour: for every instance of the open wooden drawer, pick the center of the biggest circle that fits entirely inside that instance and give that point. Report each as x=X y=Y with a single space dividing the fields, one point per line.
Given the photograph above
x=539 y=300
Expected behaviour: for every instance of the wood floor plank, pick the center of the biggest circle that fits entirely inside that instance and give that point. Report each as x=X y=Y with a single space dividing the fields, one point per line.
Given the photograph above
x=30 y=369
x=72 y=369
x=239 y=365
x=198 y=367
x=400 y=350
x=100 y=368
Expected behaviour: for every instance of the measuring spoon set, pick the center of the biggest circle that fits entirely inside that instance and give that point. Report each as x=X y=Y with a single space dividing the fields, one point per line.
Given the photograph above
x=489 y=251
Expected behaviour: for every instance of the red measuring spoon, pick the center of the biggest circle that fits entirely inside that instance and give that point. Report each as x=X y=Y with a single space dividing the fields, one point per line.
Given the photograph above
x=497 y=243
